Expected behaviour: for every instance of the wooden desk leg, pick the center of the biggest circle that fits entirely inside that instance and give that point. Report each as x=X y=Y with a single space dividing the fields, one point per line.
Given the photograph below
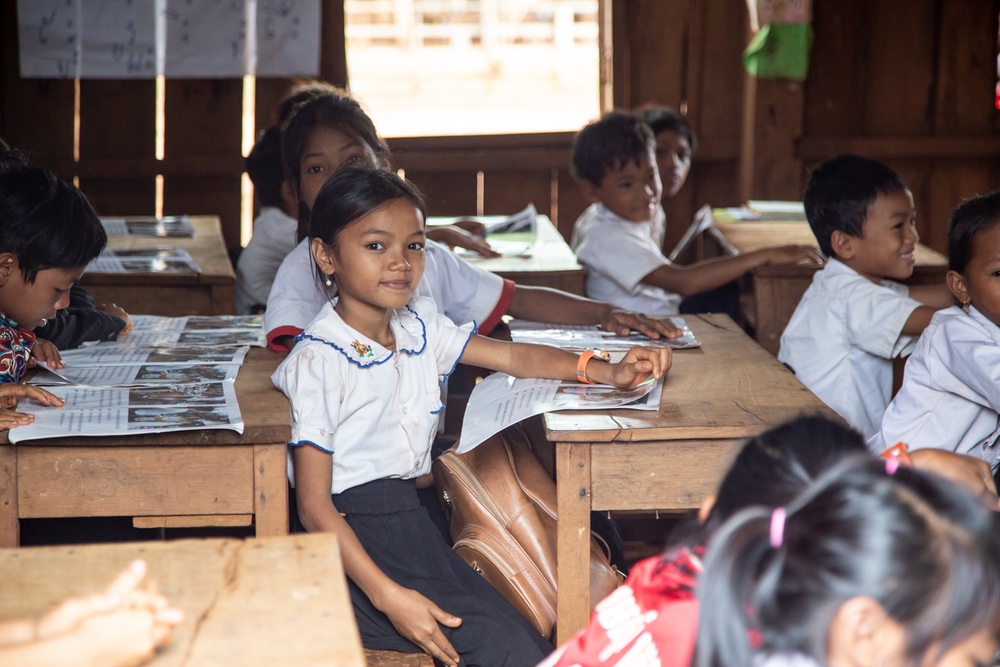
x=573 y=538
x=270 y=489
x=10 y=524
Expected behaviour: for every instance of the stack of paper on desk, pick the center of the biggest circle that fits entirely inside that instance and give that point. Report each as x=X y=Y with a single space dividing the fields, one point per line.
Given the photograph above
x=581 y=336
x=168 y=374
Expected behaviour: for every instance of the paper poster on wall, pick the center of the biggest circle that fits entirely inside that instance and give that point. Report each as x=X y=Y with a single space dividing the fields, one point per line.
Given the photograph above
x=121 y=39
x=288 y=37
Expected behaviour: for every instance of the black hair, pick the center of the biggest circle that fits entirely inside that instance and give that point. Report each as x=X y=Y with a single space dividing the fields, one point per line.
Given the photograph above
x=616 y=139
x=336 y=110
x=839 y=193
x=11 y=158
x=264 y=168
x=970 y=218
x=304 y=91
x=46 y=223
x=661 y=119
x=919 y=545
x=353 y=193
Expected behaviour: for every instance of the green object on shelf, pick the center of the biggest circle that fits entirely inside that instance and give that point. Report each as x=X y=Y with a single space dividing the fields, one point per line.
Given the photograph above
x=780 y=51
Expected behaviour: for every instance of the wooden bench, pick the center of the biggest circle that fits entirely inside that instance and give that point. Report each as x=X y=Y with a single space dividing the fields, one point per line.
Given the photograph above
x=394 y=659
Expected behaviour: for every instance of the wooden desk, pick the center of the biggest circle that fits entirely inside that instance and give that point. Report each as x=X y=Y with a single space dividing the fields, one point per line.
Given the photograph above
x=715 y=397
x=551 y=264
x=777 y=290
x=183 y=479
x=271 y=601
x=172 y=294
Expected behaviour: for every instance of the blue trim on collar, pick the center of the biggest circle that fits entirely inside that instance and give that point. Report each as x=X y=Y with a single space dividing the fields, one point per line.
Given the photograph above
x=440 y=408
x=423 y=334
x=302 y=443
x=373 y=362
x=475 y=330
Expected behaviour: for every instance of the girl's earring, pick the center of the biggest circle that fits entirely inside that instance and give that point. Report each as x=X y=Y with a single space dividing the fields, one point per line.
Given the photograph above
x=965 y=307
x=329 y=283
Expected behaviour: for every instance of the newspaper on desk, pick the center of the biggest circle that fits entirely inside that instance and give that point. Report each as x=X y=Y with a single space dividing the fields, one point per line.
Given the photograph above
x=172 y=225
x=160 y=259
x=168 y=374
x=582 y=337
x=500 y=401
x=509 y=235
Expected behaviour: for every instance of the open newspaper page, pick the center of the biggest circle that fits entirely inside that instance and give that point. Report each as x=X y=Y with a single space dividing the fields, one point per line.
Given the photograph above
x=130 y=410
x=169 y=259
x=168 y=374
x=582 y=336
x=500 y=401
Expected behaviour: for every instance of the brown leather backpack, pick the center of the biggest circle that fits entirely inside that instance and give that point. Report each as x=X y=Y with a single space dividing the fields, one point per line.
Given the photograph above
x=502 y=507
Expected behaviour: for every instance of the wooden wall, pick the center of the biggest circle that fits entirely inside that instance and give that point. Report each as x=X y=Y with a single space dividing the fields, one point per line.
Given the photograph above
x=912 y=88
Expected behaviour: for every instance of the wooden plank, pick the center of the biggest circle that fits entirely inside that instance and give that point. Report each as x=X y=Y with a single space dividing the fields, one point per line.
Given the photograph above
x=657 y=32
x=192 y=521
x=966 y=72
x=835 y=94
x=446 y=193
x=270 y=489
x=10 y=525
x=253 y=602
x=572 y=538
x=509 y=191
x=899 y=73
x=569 y=205
x=769 y=165
x=638 y=477
x=134 y=481
x=900 y=147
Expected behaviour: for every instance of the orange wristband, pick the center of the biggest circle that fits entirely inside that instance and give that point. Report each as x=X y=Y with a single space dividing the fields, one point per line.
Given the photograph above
x=900 y=452
x=581 y=363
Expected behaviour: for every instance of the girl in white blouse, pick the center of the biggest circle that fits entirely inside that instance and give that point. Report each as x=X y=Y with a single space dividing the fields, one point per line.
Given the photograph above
x=949 y=398
x=363 y=384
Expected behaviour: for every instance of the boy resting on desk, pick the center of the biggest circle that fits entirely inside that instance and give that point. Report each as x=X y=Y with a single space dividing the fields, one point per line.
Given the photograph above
x=48 y=234
x=619 y=238
x=853 y=320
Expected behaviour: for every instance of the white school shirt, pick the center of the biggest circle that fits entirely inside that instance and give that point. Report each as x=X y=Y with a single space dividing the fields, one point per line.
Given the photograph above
x=950 y=398
x=463 y=292
x=273 y=238
x=618 y=254
x=373 y=409
x=841 y=340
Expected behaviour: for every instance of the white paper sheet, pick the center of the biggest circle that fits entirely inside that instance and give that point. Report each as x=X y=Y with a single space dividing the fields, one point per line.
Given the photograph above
x=582 y=337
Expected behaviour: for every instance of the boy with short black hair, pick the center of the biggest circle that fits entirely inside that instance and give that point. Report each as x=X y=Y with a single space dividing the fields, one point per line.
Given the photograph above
x=48 y=235
x=620 y=236
x=854 y=319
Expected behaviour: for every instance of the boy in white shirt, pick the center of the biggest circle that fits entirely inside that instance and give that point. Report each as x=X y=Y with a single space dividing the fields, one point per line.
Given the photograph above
x=619 y=238
x=853 y=319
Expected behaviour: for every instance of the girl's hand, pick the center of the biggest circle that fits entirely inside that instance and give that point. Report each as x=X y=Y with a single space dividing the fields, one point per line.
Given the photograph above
x=44 y=350
x=623 y=322
x=639 y=363
x=453 y=237
x=795 y=254
x=416 y=618
x=119 y=312
x=11 y=393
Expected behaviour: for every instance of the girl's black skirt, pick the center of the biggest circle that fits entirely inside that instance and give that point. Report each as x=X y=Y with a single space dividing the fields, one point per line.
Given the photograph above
x=400 y=537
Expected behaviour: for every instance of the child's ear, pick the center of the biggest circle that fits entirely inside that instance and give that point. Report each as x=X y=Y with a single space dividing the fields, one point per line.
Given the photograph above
x=844 y=245
x=956 y=283
x=862 y=633
x=8 y=265
x=589 y=191
x=324 y=257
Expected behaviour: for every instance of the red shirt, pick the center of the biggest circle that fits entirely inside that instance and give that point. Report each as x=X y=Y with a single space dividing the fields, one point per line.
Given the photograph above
x=652 y=619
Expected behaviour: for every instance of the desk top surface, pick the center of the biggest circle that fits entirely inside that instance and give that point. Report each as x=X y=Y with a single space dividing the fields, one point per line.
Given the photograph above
x=550 y=254
x=265 y=411
x=730 y=387
x=264 y=601
x=747 y=236
x=206 y=247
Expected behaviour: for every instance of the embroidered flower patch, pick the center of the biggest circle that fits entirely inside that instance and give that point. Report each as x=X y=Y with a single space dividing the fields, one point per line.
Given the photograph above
x=361 y=349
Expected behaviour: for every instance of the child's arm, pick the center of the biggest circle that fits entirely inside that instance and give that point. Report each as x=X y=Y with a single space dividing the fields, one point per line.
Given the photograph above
x=918 y=320
x=455 y=236
x=412 y=614
x=542 y=361
x=541 y=304
x=935 y=296
x=11 y=393
x=712 y=273
x=972 y=473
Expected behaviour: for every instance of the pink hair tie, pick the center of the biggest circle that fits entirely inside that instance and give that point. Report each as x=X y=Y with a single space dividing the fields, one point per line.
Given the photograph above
x=891 y=466
x=777 y=526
